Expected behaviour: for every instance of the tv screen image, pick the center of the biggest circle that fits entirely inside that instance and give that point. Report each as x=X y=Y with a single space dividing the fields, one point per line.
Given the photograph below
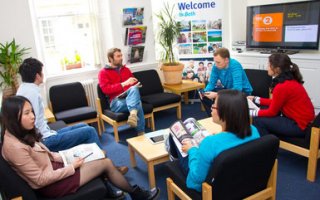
x=284 y=26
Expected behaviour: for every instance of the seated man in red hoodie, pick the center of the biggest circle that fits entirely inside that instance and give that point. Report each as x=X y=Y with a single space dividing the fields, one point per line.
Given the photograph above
x=115 y=79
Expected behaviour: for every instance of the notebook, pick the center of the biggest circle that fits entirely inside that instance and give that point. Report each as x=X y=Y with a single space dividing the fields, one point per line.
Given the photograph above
x=157 y=137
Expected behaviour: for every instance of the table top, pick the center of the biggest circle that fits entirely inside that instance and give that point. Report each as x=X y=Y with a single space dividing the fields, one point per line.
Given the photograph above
x=151 y=151
x=185 y=86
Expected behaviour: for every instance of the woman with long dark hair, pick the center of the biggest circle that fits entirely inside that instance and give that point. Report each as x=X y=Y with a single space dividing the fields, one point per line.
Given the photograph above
x=290 y=109
x=230 y=110
x=42 y=169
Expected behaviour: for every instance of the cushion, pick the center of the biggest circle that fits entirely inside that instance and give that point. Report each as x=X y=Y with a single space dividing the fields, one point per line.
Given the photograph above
x=57 y=125
x=161 y=99
x=76 y=114
x=150 y=80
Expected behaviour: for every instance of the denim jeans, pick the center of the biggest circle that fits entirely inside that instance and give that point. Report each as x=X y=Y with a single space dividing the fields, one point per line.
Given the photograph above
x=279 y=125
x=71 y=136
x=131 y=102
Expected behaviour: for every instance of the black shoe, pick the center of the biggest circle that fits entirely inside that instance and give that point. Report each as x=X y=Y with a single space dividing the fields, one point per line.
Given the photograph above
x=113 y=194
x=141 y=194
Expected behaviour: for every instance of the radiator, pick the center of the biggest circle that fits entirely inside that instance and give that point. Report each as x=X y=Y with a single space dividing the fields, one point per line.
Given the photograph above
x=90 y=86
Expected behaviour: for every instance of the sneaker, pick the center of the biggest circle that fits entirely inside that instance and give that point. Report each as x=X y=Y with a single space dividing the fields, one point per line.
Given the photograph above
x=113 y=194
x=141 y=194
x=133 y=120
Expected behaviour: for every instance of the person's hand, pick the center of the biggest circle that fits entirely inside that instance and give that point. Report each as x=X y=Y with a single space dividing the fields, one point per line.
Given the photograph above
x=186 y=145
x=210 y=95
x=129 y=81
x=77 y=162
x=250 y=97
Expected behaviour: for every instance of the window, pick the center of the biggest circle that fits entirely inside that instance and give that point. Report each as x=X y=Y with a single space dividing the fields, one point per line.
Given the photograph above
x=68 y=34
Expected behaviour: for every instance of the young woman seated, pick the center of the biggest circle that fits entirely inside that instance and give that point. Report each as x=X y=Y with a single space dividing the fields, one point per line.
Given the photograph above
x=290 y=110
x=44 y=170
x=230 y=110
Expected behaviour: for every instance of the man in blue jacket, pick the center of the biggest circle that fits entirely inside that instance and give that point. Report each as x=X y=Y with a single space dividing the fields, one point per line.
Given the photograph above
x=227 y=73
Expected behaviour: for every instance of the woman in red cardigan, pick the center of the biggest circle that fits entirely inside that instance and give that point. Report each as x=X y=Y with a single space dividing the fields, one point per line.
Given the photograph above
x=290 y=110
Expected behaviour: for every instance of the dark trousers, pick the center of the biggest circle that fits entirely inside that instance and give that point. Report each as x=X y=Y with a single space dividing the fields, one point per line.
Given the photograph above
x=207 y=103
x=279 y=125
x=183 y=161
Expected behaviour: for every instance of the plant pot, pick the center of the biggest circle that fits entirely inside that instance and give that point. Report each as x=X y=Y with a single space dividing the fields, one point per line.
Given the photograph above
x=73 y=66
x=172 y=74
x=8 y=92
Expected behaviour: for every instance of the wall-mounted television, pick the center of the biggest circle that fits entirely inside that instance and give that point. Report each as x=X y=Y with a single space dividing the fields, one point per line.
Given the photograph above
x=293 y=25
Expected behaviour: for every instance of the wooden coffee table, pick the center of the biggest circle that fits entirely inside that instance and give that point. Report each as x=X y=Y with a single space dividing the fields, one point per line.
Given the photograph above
x=184 y=87
x=154 y=154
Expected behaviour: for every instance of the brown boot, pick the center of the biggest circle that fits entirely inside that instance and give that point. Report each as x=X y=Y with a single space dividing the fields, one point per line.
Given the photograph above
x=133 y=118
x=122 y=169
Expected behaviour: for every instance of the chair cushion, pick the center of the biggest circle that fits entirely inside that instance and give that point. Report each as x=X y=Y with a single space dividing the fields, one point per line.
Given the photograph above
x=161 y=99
x=57 y=125
x=67 y=96
x=76 y=114
x=150 y=81
x=94 y=189
x=303 y=142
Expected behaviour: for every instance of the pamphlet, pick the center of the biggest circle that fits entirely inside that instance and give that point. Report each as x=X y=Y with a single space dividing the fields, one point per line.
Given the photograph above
x=89 y=152
x=190 y=129
x=252 y=106
x=124 y=94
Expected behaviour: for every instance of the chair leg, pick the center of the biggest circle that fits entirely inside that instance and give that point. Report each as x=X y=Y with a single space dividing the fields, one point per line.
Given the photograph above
x=313 y=154
x=99 y=127
x=273 y=180
x=179 y=111
x=115 y=131
x=153 y=128
x=169 y=190
x=102 y=125
x=206 y=191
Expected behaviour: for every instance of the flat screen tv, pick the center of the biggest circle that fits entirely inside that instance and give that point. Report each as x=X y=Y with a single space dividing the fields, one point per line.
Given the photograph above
x=284 y=26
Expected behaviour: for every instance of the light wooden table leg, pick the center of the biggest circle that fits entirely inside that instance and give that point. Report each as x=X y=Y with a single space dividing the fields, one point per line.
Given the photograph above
x=132 y=157
x=152 y=182
x=186 y=97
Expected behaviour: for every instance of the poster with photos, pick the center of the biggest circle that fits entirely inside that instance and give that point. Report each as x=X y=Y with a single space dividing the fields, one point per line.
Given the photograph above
x=136 y=54
x=197 y=69
x=135 y=35
x=133 y=16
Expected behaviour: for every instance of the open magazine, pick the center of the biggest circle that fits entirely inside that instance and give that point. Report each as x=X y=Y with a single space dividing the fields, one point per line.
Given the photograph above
x=189 y=129
x=89 y=152
x=252 y=106
x=125 y=93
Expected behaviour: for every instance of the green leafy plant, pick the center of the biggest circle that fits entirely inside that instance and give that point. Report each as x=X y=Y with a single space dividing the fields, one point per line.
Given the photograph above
x=71 y=60
x=168 y=33
x=11 y=56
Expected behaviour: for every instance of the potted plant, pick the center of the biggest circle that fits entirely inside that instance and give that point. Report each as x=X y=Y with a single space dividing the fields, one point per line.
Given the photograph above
x=72 y=62
x=11 y=56
x=168 y=33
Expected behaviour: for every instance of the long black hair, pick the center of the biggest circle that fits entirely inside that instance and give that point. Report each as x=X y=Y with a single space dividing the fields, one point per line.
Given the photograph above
x=288 y=70
x=11 y=112
x=233 y=109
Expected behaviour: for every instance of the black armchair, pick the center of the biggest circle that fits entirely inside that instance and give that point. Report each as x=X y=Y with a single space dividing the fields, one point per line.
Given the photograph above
x=118 y=119
x=246 y=171
x=307 y=147
x=12 y=185
x=260 y=82
x=69 y=103
x=153 y=93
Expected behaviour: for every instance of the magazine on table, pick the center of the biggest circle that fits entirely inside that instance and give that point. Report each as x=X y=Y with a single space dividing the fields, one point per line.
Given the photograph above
x=88 y=152
x=189 y=129
x=125 y=93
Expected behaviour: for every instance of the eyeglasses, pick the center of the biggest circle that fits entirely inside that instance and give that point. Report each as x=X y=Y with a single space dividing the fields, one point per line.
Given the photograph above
x=214 y=107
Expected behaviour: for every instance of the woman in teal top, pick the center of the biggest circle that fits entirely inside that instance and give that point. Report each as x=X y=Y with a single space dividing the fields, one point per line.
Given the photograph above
x=230 y=110
x=227 y=73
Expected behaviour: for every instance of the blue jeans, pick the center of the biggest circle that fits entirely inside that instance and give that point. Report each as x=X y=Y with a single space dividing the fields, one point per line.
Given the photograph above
x=131 y=102
x=279 y=125
x=72 y=136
